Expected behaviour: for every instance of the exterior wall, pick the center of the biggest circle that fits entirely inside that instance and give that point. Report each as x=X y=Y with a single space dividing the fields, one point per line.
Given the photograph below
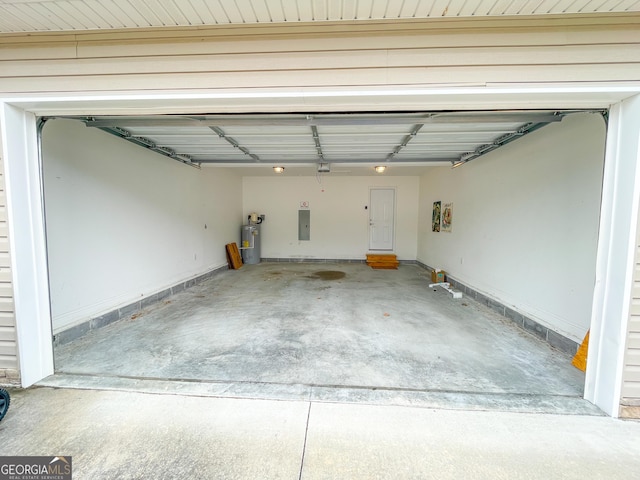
x=8 y=344
x=459 y=52
x=630 y=403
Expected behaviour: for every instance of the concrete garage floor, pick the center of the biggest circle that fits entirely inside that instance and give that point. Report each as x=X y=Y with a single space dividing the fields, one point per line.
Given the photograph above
x=291 y=331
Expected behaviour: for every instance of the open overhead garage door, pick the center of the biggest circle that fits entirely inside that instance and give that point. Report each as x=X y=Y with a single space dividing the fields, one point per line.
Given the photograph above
x=419 y=138
x=140 y=215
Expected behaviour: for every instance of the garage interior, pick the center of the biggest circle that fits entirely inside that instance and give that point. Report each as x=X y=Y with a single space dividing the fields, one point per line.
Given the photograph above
x=138 y=210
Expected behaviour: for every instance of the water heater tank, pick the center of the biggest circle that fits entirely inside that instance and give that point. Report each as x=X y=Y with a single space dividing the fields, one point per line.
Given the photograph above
x=250 y=244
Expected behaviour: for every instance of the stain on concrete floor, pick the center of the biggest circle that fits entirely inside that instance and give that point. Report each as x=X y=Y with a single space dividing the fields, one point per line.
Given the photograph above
x=327 y=275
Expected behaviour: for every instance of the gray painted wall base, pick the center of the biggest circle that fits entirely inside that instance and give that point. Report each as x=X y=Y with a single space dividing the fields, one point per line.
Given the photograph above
x=529 y=325
x=108 y=318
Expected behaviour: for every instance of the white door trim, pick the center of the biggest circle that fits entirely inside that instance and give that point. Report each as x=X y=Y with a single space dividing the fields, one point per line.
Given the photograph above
x=27 y=244
x=615 y=258
x=24 y=197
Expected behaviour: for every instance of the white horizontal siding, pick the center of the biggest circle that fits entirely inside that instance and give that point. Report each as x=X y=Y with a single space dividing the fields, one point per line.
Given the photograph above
x=633 y=340
x=8 y=347
x=631 y=373
x=416 y=53
x=572 y=55
x=326 y=78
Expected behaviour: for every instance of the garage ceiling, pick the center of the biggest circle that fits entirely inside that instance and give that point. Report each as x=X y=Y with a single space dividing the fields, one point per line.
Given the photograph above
x=306 y=139
x=78 y=15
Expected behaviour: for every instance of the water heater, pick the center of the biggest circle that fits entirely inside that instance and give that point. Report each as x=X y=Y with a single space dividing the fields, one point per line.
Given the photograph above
x=250 y=246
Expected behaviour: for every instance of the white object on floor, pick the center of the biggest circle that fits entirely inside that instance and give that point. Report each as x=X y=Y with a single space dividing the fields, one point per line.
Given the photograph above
x=447 y=287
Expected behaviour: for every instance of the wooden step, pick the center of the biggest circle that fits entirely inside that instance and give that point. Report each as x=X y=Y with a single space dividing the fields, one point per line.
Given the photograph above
x=382 y=261
x=377 y=257
x=384 y=265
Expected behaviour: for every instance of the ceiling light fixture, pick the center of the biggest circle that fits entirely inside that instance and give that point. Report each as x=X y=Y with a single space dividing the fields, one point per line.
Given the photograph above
x=380 y=169
x=278 y=169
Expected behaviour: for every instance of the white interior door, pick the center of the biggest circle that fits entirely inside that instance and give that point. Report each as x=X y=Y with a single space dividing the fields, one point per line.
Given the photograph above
x=381 y=218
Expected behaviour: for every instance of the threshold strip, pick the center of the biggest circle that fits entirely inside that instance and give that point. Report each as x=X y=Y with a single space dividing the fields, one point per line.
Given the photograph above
x=339 y=394
x=314 y=385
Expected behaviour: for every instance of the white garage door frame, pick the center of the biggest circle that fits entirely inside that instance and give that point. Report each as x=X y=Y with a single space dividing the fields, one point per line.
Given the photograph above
x=619 y=210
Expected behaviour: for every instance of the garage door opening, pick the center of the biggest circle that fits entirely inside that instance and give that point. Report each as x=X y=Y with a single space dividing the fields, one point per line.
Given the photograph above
x=140 y=290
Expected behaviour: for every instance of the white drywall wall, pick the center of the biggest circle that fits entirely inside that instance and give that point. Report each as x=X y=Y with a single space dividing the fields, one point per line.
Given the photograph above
x=124 y=222
x=525 y=222
x=339 y=221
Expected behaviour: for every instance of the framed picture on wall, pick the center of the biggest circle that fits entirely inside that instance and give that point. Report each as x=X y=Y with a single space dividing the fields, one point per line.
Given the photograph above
x=435 y=219
x=447 y=214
